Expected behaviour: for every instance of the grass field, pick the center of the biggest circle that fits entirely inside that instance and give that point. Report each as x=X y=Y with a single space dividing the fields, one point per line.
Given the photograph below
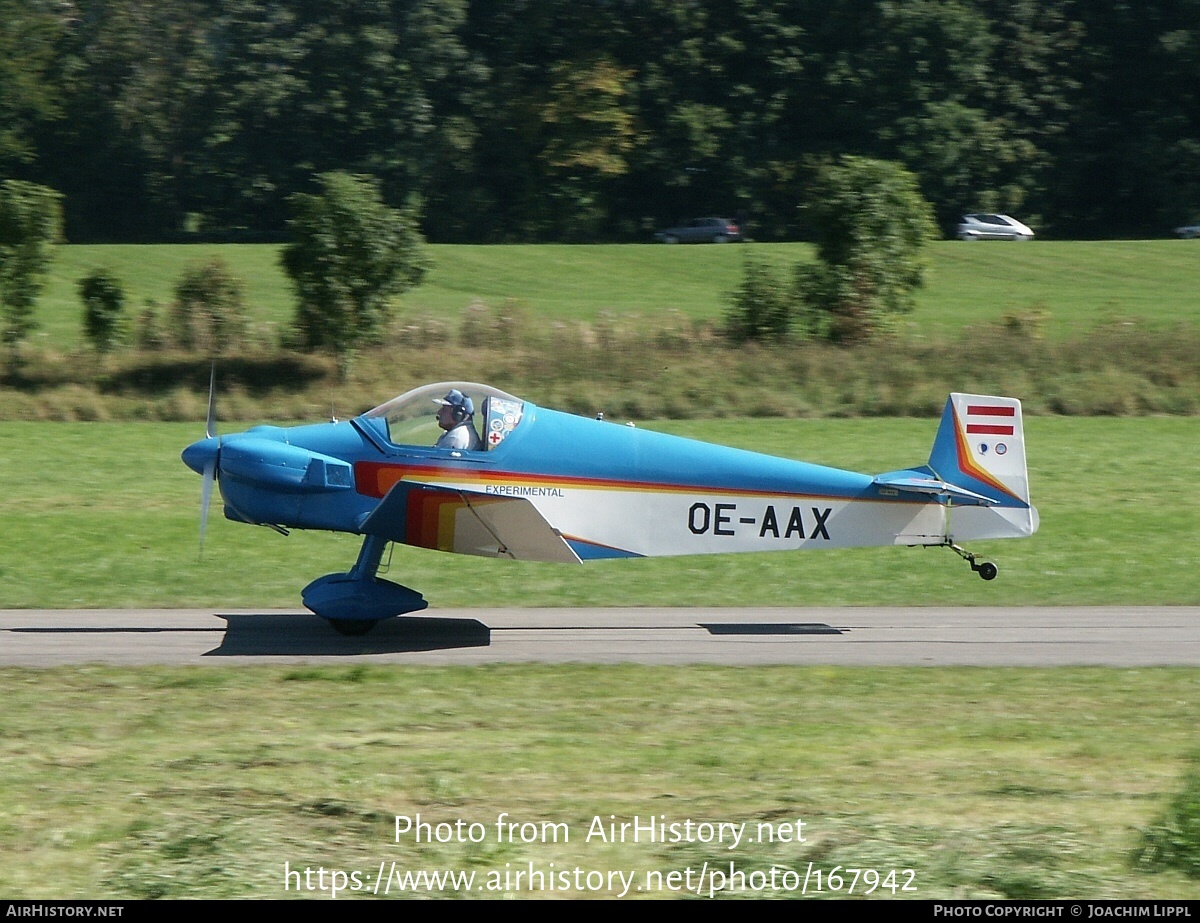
x=204 y=782
x=1077 y=284
x=1105 y=328
x=107 y=515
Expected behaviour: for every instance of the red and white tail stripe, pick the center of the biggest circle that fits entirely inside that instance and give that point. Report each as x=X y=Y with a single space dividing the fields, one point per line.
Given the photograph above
x=991 y=419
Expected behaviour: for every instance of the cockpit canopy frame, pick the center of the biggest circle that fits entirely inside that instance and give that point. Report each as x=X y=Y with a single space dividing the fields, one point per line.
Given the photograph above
x=411 y=418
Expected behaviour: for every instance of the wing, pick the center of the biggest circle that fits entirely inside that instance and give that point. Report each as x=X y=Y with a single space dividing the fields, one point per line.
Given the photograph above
x=467 y=522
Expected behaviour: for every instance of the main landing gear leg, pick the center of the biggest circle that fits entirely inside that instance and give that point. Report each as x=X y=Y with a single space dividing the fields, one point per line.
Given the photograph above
x=355 y=601
x=369 y=556
x=986 y=569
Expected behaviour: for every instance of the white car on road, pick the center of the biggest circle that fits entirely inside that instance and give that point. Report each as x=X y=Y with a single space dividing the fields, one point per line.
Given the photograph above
x=992 y=227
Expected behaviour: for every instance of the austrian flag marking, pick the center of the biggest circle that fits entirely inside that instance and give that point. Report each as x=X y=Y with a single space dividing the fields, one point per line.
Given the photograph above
x=985 y=419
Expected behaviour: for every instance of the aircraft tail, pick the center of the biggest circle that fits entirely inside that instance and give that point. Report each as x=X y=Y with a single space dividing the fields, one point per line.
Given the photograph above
x=976 y=472
x=980 y=447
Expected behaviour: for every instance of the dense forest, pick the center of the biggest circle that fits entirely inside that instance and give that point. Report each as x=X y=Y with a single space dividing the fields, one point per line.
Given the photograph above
x=574 y=120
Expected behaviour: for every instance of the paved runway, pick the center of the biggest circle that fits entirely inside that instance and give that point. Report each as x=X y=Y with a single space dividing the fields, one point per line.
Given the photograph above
x=1111 y=636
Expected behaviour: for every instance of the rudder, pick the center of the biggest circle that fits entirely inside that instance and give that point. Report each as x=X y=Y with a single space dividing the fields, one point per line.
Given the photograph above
x=980 y=446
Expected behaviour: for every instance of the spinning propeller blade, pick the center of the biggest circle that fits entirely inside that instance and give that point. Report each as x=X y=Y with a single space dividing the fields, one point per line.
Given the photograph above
x=210 y=468
x=210 y=426
x=206 y=486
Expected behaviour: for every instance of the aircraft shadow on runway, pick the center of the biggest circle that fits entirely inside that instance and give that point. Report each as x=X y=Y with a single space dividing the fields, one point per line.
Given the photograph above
x=770 y=628
x=302 y=634
x=289 y=635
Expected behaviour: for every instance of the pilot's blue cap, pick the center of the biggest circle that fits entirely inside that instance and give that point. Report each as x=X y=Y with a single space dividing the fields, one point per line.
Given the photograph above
x=456 y=398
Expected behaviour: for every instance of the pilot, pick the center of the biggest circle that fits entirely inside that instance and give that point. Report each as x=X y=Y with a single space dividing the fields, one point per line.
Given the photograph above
x=454 y=416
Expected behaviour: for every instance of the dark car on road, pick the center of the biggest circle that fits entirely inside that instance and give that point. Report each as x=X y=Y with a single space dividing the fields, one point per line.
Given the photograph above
x=701 y=231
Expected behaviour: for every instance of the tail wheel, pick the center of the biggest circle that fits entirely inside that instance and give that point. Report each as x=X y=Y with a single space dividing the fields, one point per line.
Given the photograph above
x=987 y=570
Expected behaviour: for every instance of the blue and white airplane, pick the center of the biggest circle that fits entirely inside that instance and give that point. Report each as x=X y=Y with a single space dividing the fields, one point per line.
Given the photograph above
x=541 y=485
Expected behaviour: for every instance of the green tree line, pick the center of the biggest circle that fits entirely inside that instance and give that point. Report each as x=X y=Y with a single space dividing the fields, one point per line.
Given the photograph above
x=598 y=119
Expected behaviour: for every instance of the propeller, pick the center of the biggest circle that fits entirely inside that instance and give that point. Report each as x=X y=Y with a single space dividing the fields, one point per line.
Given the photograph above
x=210 y=425
x=210 y=466
x=206 y=486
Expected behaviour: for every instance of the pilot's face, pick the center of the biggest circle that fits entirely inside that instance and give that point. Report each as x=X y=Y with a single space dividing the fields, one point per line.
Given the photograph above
x=445 y=417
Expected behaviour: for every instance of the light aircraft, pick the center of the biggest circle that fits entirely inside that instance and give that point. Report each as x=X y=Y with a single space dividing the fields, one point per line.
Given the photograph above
x=550 y=486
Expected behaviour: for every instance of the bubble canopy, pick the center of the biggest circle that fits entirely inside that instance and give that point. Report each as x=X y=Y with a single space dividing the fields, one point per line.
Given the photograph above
x=411 y=418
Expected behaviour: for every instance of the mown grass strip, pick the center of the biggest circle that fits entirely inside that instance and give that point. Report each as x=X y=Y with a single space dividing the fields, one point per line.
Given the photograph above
x=203 y=782
x=1073 y=284
x=107 y=515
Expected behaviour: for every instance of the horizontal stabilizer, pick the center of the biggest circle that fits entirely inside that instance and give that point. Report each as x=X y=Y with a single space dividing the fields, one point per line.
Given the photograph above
x=467 y=522
x=912 y=481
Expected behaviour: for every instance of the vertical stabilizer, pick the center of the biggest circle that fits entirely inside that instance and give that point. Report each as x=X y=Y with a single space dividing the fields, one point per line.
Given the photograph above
x=980 y=446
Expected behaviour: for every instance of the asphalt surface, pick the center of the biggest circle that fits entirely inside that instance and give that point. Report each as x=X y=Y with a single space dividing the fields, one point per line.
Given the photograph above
x=1108 y=636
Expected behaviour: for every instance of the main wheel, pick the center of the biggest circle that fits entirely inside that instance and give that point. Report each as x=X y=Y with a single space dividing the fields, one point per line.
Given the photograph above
x=352 y=628
x=987 y=570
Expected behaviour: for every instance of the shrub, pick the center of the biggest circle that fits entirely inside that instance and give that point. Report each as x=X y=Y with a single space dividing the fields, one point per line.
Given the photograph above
x=871 y=224
x=209 y=313
x=148 y=330
x=762 y=307
x=103 y=304
x=30 y=224
x=1174 y=842
x=350 y=254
